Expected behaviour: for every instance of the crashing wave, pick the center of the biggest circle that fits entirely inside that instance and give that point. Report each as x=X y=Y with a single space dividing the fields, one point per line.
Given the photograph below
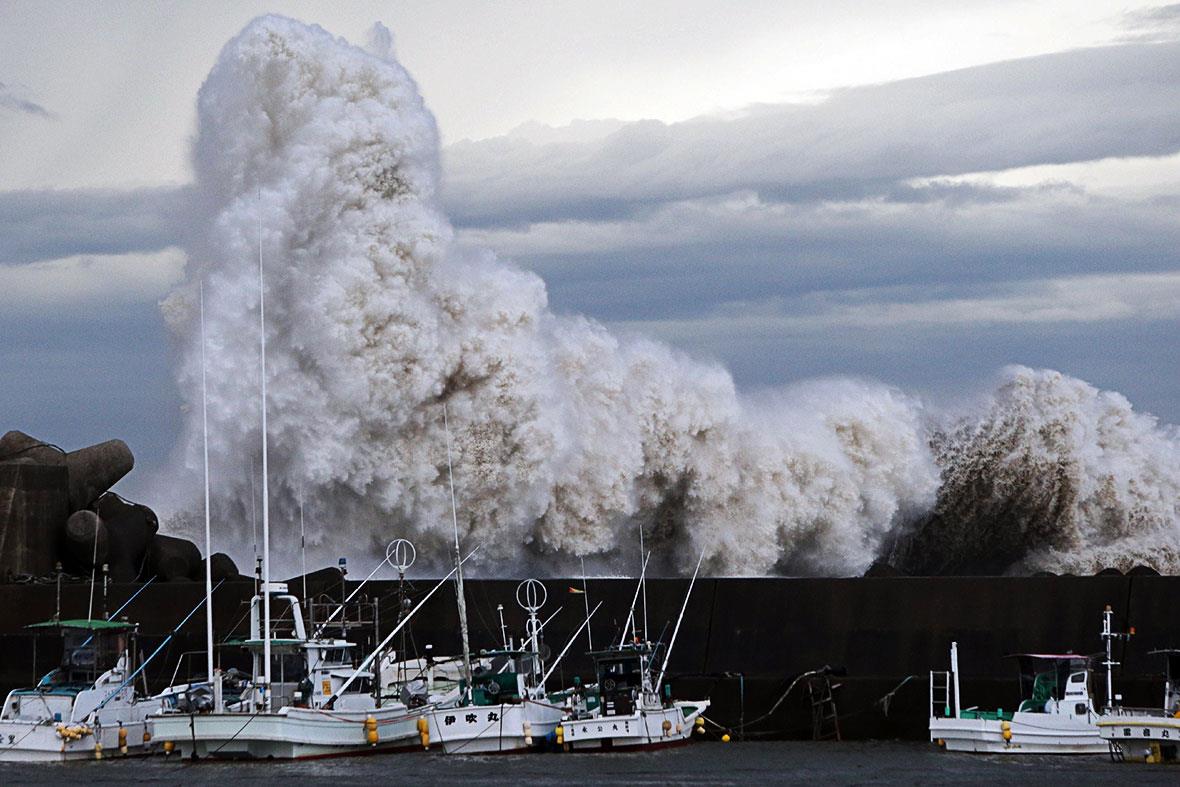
x=567 y=439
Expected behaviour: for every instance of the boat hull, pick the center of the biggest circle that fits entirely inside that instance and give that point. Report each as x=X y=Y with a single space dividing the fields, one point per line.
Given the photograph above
x=1031 y=733
x=643 y=729
x=289 y=734
x=1142 y=737
x=493 y=729
x=22 y=741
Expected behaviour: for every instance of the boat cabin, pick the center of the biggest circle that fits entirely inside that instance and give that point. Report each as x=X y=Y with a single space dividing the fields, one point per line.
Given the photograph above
x=504 y=676
x=327 y=665
x=95 y=659
x=1055 y=683
x=624 y=677
x=304 y=672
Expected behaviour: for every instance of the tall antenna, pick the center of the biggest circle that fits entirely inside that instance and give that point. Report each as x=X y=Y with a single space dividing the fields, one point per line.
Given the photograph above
x=676 y=630
x=265 y=489
x=643 y=583
x=586 y=597
x=93 y=566
x=303 y=548
x=630 y=623
x=208 y=540
x=462 y=601
x=254 y=520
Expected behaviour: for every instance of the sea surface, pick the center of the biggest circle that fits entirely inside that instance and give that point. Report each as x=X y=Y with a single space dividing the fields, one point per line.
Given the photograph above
x=699 y=763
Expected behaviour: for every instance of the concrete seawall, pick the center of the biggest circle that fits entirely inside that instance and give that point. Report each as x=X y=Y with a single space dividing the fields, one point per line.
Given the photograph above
x=878 y=631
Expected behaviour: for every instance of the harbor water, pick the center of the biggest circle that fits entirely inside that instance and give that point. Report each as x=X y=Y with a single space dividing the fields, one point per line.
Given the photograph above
x=863 y=762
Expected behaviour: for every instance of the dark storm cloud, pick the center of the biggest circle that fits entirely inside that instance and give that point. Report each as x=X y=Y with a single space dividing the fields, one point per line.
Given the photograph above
x=1072 y=106
x=39 y=225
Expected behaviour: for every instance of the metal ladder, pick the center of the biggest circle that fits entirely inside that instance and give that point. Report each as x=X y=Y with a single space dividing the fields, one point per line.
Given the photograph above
x=940 y=694
x=825 y=720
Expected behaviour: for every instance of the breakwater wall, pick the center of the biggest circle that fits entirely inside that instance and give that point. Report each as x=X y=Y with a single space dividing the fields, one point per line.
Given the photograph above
x=741 y=644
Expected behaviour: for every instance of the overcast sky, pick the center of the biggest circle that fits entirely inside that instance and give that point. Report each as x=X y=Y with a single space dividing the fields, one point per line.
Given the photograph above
x=918 y=192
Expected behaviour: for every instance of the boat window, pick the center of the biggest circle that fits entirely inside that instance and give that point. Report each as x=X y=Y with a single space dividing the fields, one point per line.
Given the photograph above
x=360 y=686
x=1077 y=677
x=288 y=667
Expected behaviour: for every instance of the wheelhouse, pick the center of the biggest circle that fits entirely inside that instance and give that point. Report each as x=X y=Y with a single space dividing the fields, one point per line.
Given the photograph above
x=1055 y=683
x=90 y=649
x=503 y=676
x=623 y=675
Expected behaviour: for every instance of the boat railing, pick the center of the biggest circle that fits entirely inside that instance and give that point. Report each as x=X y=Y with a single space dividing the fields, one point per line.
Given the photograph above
x=1125 y=710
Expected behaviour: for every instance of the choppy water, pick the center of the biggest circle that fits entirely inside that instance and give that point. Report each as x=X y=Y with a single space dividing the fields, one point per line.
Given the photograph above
x=700 y=763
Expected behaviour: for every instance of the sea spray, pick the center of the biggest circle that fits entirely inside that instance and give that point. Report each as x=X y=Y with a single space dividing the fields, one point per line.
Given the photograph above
x=1055 y=475
x=567 y=438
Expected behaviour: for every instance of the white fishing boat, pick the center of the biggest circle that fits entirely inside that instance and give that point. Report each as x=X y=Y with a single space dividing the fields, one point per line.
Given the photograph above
x=629 y=713
x=504 y=706
x=624 y=709
x=88 y=707
x=1150 y=735
x=318 y=703
x=507 y=711
x=1056 y=715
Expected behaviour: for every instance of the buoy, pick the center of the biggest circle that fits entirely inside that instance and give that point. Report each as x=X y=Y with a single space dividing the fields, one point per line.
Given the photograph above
x=97 y=750
x=122 y=740
x=424 y=732
x=667 y=726
x=168 y=747
x=560 y=732
x=147 y=736
x=1006 y=731
x=371 y=730
x=700 y=725
x=528 y=733
x=725 y=738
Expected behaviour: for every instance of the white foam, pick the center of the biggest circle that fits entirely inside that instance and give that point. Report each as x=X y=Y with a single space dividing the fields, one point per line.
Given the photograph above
x=566 y=438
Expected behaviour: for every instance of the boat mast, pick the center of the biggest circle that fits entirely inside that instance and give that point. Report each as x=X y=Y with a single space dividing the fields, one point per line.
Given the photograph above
x=630 y=624
x=208 y=542
x=586 y=598
x=643 y=583
x=1109 y=635
x=462 y=601
x=303 y=551
x=675 y=631
x=265 y=490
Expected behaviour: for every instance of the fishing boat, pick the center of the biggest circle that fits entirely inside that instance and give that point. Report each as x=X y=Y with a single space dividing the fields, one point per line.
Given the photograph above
x=1150 y=735
x=86 y=707
x=504 y=706
x=624 y=709
x=1056 y=715
x=628 y=712
x=316 y=704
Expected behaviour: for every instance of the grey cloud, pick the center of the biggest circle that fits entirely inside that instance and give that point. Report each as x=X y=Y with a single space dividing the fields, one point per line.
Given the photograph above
x=683 y=257
x=38 y=225
x=1071 y=106
x=1151 y=25
x=1153 y=18
x=10 y=100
